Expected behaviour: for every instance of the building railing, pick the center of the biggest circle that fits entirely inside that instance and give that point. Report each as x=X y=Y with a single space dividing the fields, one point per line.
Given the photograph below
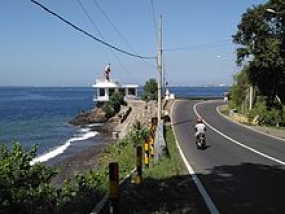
x=104 y=80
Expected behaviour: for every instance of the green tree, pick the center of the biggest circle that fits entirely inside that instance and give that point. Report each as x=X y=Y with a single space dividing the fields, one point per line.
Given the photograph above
x=151 y=89
x=260 y=35
x=138 y=134
x=25 y=188
x=113 y=106
x=108 y=109
x=239 y=91
x=116 y=100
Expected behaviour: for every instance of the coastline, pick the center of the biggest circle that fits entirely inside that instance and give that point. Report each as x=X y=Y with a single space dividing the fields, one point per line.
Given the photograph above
x=83 y=156
x=78 y=163
x=80 y=157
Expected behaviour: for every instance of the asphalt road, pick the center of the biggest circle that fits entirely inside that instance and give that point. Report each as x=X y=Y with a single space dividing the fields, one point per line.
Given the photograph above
x=240 y=171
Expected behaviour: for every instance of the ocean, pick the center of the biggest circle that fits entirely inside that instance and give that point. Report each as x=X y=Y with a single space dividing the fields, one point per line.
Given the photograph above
x=199 y=92
x=40 y=115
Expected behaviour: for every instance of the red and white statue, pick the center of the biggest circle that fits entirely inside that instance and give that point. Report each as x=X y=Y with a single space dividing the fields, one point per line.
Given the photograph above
x=107 y=71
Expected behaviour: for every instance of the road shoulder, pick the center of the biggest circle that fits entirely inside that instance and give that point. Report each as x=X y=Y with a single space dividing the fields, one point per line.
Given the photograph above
x=273 y=132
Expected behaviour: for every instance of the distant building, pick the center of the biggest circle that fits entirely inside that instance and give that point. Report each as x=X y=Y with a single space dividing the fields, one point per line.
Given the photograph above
x=105 y=88
x=169 y=95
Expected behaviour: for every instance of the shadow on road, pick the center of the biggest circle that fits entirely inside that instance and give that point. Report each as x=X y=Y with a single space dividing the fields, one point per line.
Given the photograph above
x=182 y=122
x=246 y=188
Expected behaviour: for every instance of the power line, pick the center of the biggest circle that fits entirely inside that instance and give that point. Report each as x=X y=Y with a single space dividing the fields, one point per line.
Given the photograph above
x=102 y=37
x=153 y=16
x=114 y=26
x=90 y=19
x=90 y=35
x=200 y=46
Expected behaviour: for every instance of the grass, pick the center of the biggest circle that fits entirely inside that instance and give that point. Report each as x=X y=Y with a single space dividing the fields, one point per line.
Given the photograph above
x=166 y=187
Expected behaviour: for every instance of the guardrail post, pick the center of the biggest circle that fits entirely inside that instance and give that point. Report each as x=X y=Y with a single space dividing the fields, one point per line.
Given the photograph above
x=154 y=124
x=138 y=164
x=146 y=152
x=151 y=144
x=114 y=187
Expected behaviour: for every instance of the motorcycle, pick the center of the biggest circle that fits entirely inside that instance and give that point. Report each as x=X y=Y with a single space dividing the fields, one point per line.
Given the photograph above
x=201 y=141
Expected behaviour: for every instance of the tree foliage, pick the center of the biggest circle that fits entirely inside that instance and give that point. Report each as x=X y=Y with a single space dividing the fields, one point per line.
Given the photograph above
x=261 y=37
x=240 y=88
x=24 y=188
x=138 y=134
x=116 y=100
x=151 y=89
x=113 y=106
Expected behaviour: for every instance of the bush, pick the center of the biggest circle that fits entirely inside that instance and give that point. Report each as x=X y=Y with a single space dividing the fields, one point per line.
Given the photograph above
x=113 y=106
x=108 y=109
x=138 y=134
x=116 y=100
x=25 y=188
x=150 y=90
x=267 y=116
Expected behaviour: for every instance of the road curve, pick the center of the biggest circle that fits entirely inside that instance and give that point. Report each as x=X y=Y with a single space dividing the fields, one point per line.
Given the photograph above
x=241 y=171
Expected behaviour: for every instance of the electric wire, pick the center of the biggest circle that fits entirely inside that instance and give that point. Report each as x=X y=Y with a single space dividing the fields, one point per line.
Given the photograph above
x=90 y=35
x=90 y=19
x=115 y=28
x=102 y=37
x=154 y=23
x=113 y=25
x=200 y=46
x=153 y=17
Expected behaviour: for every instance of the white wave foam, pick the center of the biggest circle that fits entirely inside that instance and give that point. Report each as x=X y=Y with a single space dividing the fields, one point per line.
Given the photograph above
x=59 y=150
x=84 y=129
x=94 y=125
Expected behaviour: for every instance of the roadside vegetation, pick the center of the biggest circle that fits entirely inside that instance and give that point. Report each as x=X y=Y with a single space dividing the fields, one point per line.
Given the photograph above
x=166 y=186
x=26 y=188
x=150 y=90
x=261 y=56
x=113 y=106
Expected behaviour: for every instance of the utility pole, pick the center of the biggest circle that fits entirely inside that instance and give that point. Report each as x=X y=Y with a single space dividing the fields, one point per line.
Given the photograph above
x=159 y=67
x=159 y=130
x=250 y=97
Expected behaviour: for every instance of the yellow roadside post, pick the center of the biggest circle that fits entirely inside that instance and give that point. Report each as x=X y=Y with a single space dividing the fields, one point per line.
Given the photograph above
x=114 y=187
x=138 y=164
x=153 y=124
x=146 y=152
x=151 y=144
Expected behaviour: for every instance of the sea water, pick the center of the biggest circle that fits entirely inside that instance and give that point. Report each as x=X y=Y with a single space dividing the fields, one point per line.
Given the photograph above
x=198 y=91
x=37 y=115
x=40 y=115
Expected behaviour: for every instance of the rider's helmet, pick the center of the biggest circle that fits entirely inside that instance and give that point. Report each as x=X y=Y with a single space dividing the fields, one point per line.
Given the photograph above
x=199 y=120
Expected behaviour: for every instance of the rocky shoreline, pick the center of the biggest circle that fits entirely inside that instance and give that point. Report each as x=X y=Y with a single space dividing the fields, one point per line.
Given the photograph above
x=86 y=159
x=86 y=117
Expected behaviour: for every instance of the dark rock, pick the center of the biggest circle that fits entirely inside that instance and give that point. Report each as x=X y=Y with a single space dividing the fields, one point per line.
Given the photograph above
x=94 y=116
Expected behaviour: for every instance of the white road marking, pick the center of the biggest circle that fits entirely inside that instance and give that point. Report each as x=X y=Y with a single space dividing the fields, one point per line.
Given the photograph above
x=212 y=208
x=237 y=142
x=248 y=127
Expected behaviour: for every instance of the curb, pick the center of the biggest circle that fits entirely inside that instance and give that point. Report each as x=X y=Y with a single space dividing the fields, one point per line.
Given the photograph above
x=248 y=127
x=99 y=206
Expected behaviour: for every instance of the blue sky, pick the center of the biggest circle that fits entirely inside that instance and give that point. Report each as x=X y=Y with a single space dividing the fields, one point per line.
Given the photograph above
x=38 y=49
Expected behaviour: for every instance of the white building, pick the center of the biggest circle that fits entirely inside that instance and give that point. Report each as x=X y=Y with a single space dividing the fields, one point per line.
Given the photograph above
x=169 y=95
x=104 y=89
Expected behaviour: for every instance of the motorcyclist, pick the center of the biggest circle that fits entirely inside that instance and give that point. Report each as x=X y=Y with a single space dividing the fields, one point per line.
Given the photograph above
x=200 y=127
